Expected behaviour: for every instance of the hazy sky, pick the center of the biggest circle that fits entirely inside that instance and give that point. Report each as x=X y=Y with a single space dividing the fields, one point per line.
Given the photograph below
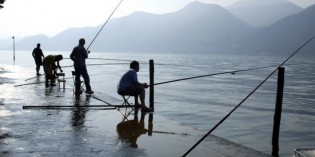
x=22 y=18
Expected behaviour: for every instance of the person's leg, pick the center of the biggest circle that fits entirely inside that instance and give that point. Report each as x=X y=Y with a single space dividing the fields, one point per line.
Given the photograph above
x=136 y=101
x=38 y=64
x=37 y=69
x=46 y=80
x=142 y=96
x=52 y=75
x=86 y=78
x=77 y=80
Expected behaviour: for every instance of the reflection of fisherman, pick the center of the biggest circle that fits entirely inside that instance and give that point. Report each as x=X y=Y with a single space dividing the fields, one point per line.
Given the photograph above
x=38 y=55
x=79 y=114
x=130 y=130
x=50 y=67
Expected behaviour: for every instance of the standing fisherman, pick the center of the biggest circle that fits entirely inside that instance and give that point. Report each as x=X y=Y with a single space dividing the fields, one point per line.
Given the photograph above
x=78 y=56
x=38 y=56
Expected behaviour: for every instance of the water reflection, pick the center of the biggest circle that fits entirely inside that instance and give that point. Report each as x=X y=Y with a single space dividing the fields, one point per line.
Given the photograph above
x=130 y=130
x=78 y=115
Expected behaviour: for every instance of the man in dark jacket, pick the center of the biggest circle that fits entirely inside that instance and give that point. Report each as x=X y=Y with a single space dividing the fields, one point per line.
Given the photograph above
x=38 y=56
x=78 y=56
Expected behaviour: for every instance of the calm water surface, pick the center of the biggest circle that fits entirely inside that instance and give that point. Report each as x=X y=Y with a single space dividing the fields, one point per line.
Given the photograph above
x=203 y=102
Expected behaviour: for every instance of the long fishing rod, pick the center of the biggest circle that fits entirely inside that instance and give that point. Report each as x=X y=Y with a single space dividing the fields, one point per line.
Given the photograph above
x=104 y=24
x=220 y=73
x=71 y=106
x=29 y=84
x=225 y=117
x=34 y=77
x=68 y=66
x=105 y=59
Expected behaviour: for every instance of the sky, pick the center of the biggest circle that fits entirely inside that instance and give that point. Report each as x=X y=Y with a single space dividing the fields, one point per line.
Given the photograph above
x=22 y=18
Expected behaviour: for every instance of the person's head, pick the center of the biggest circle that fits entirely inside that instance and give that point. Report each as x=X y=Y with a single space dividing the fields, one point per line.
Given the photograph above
x=38 y=45
x=59 y=57
x=82 y=41
x=135 y=65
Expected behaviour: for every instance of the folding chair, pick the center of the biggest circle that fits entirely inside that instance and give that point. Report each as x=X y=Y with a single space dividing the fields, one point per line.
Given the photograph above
x=126 y=105
x=61 y=79
x=74 y=83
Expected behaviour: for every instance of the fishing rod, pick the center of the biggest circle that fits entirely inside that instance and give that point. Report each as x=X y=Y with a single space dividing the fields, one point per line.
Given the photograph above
x=105 y=59
x=220 y=73
x=29 y=84
x=34 y=77
x=67 y=66
x=71 y=106
x=104 y=24
x=226 y=116
x=66 y=108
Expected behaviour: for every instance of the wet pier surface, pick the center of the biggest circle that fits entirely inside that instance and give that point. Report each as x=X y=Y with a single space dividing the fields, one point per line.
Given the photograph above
x=91 y=131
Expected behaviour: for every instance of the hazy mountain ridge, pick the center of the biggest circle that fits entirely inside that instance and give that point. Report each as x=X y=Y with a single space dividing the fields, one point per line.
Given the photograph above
x=198 y=27
x=283 y=37
x=188 y=30
x=261 y=13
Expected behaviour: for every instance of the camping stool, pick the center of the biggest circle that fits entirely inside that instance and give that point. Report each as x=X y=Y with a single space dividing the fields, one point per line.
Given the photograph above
x=126 y=105
x=74 y=82
x=61 y=79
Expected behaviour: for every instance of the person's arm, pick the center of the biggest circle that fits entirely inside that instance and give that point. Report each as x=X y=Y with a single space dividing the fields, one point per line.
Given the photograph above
x=72 y=54
x=86 y=53
x=136 y=82
x=58 y=66
x=33 y=53
x=42 y=53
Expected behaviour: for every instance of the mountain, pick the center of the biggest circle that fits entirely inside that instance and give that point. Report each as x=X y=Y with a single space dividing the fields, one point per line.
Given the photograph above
x=29 y=43
x=198 y=27
x=261 y=13
x=282 y=37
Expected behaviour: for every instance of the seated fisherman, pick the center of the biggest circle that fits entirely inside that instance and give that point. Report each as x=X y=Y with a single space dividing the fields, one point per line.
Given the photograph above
x=129 y=85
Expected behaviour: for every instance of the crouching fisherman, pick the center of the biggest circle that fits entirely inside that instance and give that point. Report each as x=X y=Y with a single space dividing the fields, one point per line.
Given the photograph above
x=50 y=68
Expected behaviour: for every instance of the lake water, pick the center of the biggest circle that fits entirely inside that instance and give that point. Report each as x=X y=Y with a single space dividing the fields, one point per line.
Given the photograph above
x=201 y=103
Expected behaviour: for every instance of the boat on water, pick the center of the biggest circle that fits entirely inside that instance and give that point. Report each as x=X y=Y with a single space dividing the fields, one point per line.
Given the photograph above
x=304 y=152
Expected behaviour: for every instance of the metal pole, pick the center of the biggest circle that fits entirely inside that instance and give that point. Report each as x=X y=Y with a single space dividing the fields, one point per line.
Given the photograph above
x=277 y=115
x=151 y=82
x=13 y=49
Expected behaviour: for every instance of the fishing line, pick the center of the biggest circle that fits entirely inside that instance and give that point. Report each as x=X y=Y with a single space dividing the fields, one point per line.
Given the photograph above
x=67 y=66
x=105 y=59
x=225 y=117
x=104 y=24
x=220 y=73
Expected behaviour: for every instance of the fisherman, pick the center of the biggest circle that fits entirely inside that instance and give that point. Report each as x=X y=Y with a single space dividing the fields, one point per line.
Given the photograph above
x=50 y=68
x=38 y=55
x=129 y=85
x=78 y=56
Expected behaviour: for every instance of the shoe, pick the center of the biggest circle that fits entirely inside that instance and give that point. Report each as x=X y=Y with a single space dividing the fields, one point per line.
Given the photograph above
x=89 y=92
x=146 y=109
x=52 y=84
